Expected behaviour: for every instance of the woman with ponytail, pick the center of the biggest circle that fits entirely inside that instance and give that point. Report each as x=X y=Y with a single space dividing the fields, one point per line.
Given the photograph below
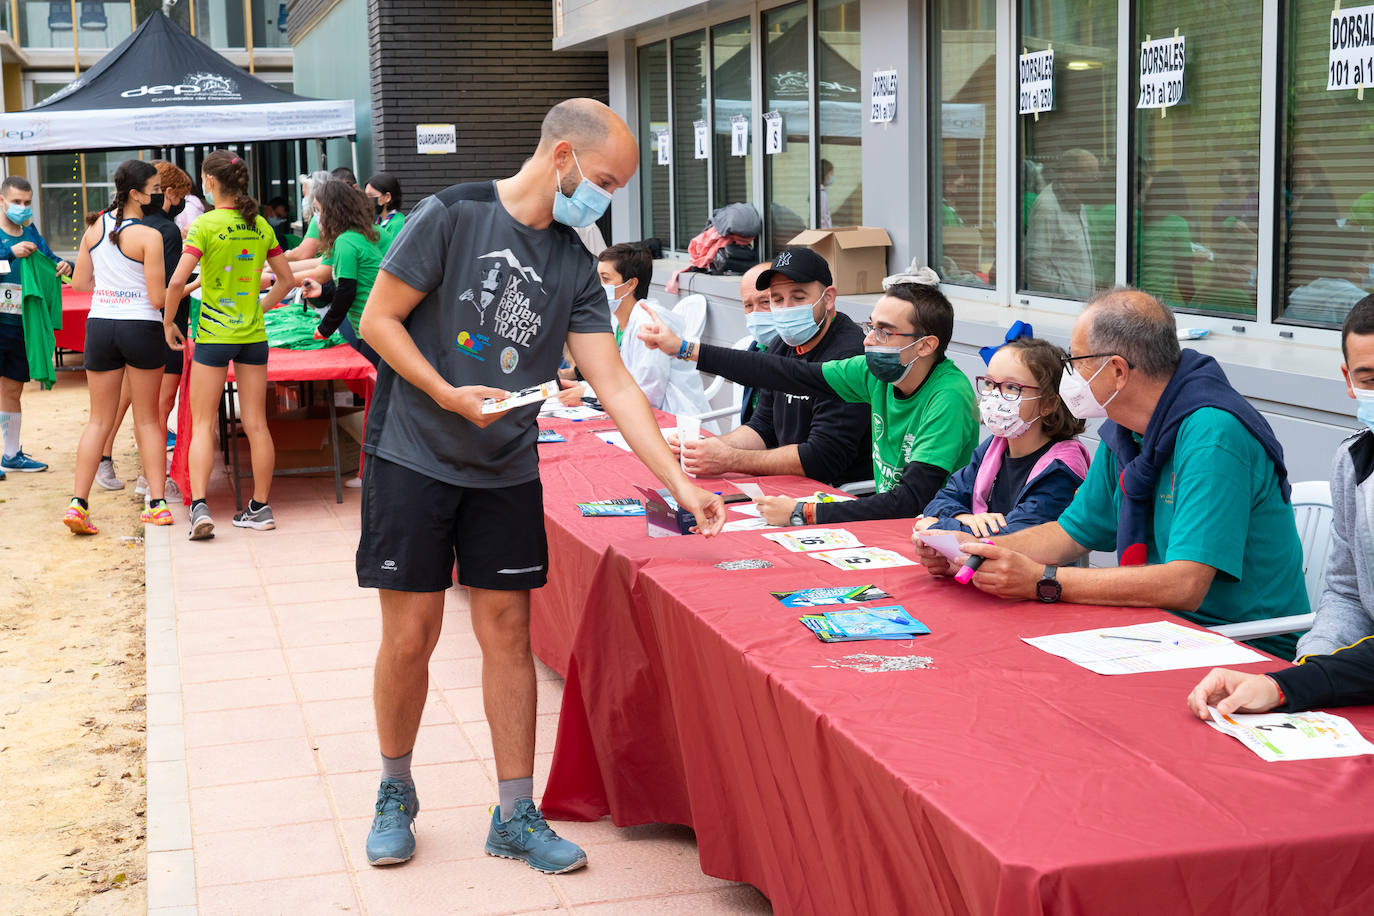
x=231 y=243
x=121 y=264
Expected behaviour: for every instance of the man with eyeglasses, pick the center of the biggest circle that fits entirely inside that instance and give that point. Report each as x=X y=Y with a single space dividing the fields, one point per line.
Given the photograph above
x=1188 y=486
x=810 y=435
x=923 y=413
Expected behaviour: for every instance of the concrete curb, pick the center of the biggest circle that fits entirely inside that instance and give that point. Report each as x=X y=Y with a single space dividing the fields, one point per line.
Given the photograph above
x=171 y=862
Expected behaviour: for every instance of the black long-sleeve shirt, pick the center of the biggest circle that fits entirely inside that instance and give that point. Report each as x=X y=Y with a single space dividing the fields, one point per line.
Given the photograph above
x=832 y=436
x=918 y=485
x=1344 y=678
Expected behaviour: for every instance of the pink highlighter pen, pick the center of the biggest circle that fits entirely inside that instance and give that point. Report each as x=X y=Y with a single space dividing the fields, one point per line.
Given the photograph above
x=965 y=574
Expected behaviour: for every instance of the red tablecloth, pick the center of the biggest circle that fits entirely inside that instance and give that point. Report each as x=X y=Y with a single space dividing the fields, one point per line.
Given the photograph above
x=1002 y=780
x=341 y=363
x=75 y=309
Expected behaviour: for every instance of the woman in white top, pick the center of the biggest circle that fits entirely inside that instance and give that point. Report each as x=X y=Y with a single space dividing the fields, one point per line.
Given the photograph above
x=121 y=265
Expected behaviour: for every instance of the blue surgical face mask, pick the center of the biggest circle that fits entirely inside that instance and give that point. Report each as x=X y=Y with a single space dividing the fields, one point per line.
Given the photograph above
x=796 y=324
x=1365 y=412
x=19 y=215
x=209 y=198
x=761 y=326
x=885 y=363
x=585 y=206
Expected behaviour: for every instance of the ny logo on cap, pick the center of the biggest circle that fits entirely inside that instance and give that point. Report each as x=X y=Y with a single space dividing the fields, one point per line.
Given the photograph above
x=783 y=259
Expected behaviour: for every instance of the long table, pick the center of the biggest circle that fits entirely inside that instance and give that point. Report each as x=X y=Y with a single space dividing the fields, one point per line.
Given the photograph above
x=999 y=780
x=341 y=363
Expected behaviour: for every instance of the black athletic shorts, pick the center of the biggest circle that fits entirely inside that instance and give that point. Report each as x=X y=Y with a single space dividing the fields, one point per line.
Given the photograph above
x=220 y=355
x=174 y=357
x=14 y=360
x=415 y=526
x=113 y=343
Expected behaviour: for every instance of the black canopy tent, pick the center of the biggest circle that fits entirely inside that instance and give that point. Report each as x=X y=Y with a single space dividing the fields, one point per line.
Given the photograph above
x=163 y=89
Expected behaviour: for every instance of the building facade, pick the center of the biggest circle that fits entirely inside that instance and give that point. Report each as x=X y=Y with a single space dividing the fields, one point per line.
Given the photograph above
x=45 y=44
x=1193 y=150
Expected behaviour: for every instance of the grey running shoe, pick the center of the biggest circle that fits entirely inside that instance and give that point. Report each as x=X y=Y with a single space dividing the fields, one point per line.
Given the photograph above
x=105 y=476
x=257 y=519
x=202 y=525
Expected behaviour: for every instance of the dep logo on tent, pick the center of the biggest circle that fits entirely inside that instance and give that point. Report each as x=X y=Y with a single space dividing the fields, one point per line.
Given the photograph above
x=23 y=132
x=195 y=86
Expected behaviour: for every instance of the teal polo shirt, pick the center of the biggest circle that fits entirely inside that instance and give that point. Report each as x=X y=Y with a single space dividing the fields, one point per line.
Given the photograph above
x=1216 y=502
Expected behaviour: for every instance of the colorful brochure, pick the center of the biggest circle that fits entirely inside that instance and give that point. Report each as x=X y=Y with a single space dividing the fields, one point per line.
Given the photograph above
x=889 y=622
x=842 y=594
x=551 y=435
x=605 y=507
x=1293 y=736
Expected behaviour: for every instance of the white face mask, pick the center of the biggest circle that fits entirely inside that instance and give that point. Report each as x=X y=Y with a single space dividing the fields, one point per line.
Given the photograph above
x=1003 y=417
x=1077 y=394
x=1364 y=397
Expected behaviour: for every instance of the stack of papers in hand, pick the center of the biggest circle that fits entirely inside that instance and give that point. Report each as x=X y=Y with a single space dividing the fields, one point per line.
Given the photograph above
x=891 y=622
x=1293 y=736
x=534 y=395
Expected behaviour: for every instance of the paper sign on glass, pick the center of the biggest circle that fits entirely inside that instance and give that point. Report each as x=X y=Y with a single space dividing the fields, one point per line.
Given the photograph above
x=815 y=539
x=665 y=145
x=884 y=94
x=1351 y=60
x=739 y=136
x=1037 y=82
x=772 y=126
x=1161 y=72
x=1293 y=736
x=701 y=140
x=863 y=558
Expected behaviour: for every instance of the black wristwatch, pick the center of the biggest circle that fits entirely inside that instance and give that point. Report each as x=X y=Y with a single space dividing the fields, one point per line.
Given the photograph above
x=1048 y=588
x=798 y=516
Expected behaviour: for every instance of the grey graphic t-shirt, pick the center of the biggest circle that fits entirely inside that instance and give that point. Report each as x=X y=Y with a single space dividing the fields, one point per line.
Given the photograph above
x=500 y=301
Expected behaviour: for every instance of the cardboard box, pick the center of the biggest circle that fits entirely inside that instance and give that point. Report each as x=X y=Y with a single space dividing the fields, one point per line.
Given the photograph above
x=301 y=439
x=857 y=256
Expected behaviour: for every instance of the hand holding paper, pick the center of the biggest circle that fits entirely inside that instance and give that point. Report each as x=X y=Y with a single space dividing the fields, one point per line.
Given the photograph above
x=1233 y=691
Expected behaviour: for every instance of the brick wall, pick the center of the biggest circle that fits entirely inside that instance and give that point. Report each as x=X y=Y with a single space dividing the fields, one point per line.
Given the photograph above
x=484 y=66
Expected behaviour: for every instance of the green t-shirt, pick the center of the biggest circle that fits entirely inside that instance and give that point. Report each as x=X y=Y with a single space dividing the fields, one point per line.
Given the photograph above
x=313 y=230
x=388 y=229
x=353 y=257
x=937 y=424
x=231 y=257
x=1163 y=244
x=1217 y=502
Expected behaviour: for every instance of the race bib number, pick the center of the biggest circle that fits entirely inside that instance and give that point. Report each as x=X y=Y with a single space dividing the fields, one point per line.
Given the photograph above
x=11 y=299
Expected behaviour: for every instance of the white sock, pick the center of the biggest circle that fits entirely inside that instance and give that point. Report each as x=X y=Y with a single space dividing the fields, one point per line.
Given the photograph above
x=9 y=429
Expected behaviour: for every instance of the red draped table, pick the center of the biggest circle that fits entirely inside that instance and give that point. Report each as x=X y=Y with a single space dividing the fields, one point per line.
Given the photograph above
x=76 y=307
x=1000 y=780
x=342 y=363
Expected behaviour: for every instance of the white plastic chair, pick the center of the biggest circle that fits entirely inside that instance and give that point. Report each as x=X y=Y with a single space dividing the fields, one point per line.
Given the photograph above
x=737 y=391
x=1312 y=513
x=692 y=309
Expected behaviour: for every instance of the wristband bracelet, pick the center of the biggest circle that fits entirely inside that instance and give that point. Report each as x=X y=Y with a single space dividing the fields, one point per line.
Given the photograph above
x=685 y=350
x=1283 y=699
x=809 y=512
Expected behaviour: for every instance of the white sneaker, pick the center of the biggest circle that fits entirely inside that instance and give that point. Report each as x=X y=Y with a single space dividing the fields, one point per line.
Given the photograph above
x=171 y=490
x=355 y=484
x=141 y=488
x=105 y=476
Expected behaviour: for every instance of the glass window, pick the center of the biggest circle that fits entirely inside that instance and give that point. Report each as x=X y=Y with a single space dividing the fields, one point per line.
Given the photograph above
x=732 y=85
x=840 y=193
x=786 y=90
x=963 y=230
x=1327 y=199
x=1196 y=174
x=1067 y=206
x=45 y=24
x=653 y=117
x=691 y=211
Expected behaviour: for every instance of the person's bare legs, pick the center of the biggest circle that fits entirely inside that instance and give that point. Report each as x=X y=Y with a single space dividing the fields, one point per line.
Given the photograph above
x=501 y=622
x=144 y=386
x=125 y=399
x=400 y=681
x=11 y=391
x=166 y=402
x=207 y=386
x=104 y=390
x=252 y=384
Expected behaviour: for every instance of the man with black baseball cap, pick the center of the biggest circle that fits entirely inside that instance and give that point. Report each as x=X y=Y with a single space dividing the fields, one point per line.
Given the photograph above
x=809 y=434
x=924 y=413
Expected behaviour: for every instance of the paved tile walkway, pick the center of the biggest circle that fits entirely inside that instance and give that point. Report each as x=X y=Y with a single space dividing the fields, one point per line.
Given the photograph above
x=262 y=755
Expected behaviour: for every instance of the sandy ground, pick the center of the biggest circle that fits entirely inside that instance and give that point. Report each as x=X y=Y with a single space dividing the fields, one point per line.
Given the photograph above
x=71 y=677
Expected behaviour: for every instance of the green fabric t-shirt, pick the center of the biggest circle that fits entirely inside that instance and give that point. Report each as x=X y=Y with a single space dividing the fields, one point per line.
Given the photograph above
x=937 y=424
x=231 y=257
x=353 y=257
x=388 y=229
x=313 y=230
x=1218 y=503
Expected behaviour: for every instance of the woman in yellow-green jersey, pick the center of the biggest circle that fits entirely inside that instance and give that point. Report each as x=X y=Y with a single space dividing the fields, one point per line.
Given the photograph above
x=231 y=243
